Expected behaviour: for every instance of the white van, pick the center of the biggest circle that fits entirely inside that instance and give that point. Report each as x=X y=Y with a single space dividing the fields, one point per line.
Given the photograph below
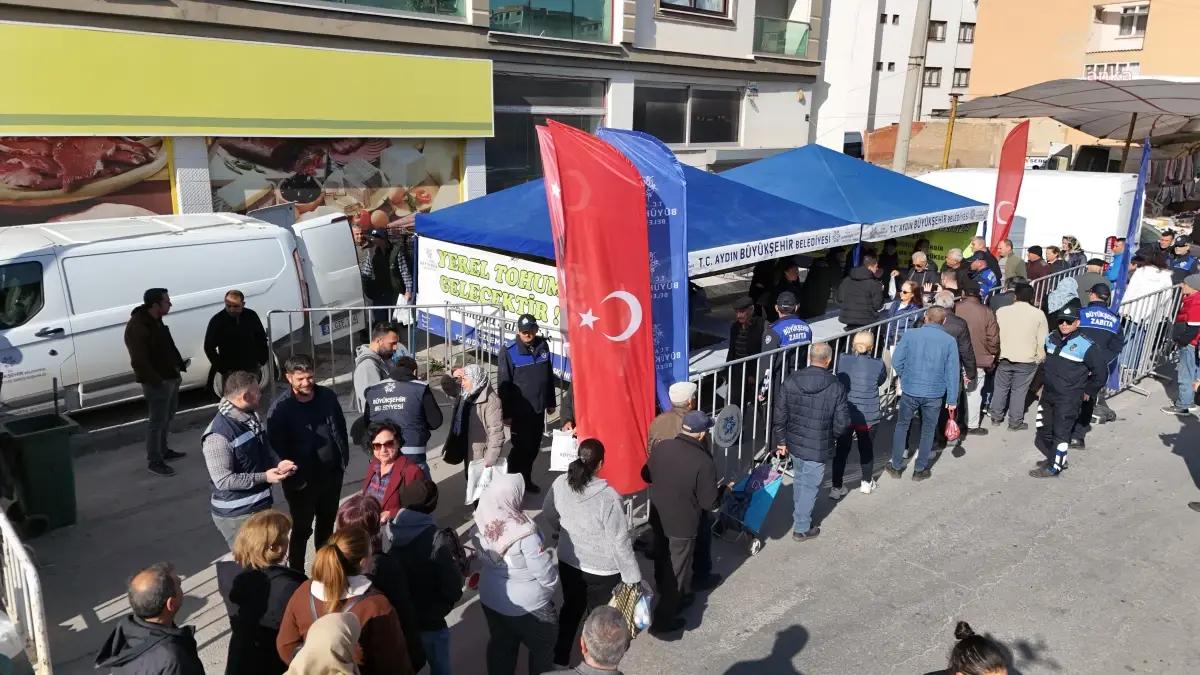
x=1053 y=204
x=67 y=290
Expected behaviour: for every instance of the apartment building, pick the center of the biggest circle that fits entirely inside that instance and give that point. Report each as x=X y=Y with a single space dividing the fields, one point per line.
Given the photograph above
x=866 y=62
x=377 y=108
x=1081 y=38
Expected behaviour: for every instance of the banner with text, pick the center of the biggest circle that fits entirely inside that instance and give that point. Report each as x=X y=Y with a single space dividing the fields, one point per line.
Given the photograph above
x=666 y=221
x=456 y=274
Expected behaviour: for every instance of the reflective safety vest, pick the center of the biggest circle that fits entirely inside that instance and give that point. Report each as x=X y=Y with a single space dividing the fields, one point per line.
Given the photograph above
x=249 y=456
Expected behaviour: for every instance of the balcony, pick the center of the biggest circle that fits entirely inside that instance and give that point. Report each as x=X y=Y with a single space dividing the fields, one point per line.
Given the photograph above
x=436 y=7
x=780 y=37
x=587 y=20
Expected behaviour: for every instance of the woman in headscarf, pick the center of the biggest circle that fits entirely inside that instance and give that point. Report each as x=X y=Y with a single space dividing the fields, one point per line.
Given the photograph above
x=1066 y=294
x=1073 y=252
x=517 y=579
x=478 y=418
x=329 y=648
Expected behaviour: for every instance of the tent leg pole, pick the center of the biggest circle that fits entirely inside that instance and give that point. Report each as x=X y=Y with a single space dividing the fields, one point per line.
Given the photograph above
x=950 y=130
x=1128 y=140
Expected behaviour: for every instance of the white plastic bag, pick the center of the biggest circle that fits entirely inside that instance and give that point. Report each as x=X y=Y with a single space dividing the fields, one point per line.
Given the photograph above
x=563 y=450
x=11 y=643
x=480 y=476
x=402 y=315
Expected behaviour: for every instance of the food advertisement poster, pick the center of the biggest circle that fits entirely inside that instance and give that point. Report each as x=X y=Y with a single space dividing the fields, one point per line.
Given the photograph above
x=49 y=179
x=504 y=286
x=940 y=243
x=377 y=182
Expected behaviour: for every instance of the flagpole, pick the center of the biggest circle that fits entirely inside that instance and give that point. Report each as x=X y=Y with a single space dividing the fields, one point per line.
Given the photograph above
x=950 y=131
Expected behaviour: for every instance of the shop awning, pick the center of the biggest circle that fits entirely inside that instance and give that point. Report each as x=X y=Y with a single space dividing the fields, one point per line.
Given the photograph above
x=729 y=225
x=887 y=204
x=65 y=81
x=1101 y=108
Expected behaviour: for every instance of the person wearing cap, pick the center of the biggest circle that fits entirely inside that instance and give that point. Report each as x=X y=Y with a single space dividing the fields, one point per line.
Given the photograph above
x=1011 y=264
x=860 y=295
x=745 y=340
x=1090 y=278
x=1035 y=265
x=1186 y=334
x=684 y=480
x=979 y=249
x=1007 y=296
x=811 y=411
x=787 y=331
x=525 y=383
x=790 y=283
x=386 y=277
x=983 y=275
x=1119 y=258
x=1073 y=372
x=668 y=424
x=1102 y=326
x=1181 y=260
x=1166 y=241
x=408 y=403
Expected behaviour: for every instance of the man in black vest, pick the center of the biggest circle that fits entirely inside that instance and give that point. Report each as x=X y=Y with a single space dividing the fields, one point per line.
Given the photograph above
x=306 y=425
x=241 y=465
x=408 y=402
x=526 y=388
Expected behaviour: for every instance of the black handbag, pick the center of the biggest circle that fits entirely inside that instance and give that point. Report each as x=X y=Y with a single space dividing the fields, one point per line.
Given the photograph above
x=455 y=450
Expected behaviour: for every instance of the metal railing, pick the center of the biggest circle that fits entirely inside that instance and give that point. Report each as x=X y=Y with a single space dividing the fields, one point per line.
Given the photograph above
x=1042 y=286
x=1146 y=324
x=23 y=597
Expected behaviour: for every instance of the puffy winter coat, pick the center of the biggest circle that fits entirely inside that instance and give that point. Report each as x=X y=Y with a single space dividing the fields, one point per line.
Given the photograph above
x=861 y=296
x=862 y=376
x=811 y=411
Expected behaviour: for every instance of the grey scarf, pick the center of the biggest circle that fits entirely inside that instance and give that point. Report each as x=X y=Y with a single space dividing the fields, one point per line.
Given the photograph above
x=479 y=381
x=239 y=416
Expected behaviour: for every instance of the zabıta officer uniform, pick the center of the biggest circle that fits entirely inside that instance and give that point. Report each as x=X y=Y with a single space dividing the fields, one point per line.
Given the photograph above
x=526 y=387
x=1099 y=324
x=787 y=331
x=1074 y=367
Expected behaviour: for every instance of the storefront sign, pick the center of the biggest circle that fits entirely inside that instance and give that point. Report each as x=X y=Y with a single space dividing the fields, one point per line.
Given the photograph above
x=506 y=287
x=118 y=83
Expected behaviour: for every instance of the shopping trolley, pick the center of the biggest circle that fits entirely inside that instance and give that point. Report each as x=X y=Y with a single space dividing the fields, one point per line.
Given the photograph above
x=746 y=506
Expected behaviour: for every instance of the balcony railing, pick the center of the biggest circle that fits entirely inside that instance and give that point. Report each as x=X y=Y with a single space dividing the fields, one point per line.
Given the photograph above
x=588 y=20
x=438 y=7
x=780 y=36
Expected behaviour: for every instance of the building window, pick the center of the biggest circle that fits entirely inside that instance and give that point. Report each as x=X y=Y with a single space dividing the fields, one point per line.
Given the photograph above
x=589 y=20
x=895 y=19
x=1133 y=20
x=966 y=33
x=714 y=7
x=1112 y=71
x=883 y=18
x=891 y=66
x=962 y=77
x=879 y=65
x=521 y=104
x=20 y=293
x=688 y=114
x=933 y=77
x=939 y=112
x=937 y=31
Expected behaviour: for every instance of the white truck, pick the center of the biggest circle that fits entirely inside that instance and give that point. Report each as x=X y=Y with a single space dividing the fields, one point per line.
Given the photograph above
x=1089 y=206
x=67 y=290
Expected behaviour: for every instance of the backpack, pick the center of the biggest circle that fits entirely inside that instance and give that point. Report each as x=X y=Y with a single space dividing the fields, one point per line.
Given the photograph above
x=449 y=538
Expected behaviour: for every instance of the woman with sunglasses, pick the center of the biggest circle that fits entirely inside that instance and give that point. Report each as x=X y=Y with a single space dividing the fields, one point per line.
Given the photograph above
x=389 y=469
x=908 y=300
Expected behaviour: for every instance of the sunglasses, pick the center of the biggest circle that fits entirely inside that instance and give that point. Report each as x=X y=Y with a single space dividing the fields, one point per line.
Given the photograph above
x=904 y=292
x=384 y=445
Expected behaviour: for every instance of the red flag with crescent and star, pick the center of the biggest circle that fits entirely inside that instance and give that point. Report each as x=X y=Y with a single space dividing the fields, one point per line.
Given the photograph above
x=1008 y=183
x=605 y=264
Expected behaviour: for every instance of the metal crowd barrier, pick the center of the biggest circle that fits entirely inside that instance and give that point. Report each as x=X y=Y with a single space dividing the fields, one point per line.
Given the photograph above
x=1042 y=286
x=1146 y=324
x=23 y=597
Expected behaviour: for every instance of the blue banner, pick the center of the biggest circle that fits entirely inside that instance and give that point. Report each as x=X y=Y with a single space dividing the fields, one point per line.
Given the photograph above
x=666 y=217
x=1131 y=239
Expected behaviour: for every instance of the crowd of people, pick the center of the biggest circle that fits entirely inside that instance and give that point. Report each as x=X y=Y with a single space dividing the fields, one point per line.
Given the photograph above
x=965 y=341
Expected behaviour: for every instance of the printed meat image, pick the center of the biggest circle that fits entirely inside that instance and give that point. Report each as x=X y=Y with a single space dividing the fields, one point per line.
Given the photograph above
x=49 y=178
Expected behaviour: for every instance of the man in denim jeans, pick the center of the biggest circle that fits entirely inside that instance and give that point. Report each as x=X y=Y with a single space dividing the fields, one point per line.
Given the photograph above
x=1186 y=333
x=811 y=411
x=927 y=362
x=156 y=365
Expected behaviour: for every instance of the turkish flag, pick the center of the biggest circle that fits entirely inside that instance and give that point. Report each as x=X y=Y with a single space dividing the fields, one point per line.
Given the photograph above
x=554 y=203
x=605 y=264
x=1008 y=183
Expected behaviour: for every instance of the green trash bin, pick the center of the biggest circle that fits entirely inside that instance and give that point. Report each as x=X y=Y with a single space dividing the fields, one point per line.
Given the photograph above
x=37 y=449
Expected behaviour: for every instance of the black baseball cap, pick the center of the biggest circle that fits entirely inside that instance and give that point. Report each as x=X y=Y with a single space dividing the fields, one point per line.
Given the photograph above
x=1182 y=240
x=1066 y=315
x=526 y=323
x=379 y=232
x=743 y=302
x=786 y=299
x=1101 y=291
x=697 y=421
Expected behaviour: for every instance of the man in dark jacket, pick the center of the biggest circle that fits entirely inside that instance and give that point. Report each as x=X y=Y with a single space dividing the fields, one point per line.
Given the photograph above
x=156 y=364
x=922 y=273
x=604 y=641
x=385 y=273
x=685 y=486
x=889 y=260
x=429 y=559
x=306 y=425
x=1102 y=326
x=1035 y=266
x=1094 y=274
x=789 y=284
x=985 y=345
x=811 y=411
x=958 y=329
x=235 y=339
x=745 y=340
x=526 y=387
x=788 y=331
x=149 y=642
x=408 y=402
x=860 y=295
x=979 y=250
x=1007 y=296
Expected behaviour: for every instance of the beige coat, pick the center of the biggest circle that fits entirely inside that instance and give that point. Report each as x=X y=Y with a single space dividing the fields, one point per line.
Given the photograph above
x=485 y=427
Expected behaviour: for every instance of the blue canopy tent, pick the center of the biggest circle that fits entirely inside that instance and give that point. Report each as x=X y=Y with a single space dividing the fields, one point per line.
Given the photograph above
x=885 y=203
x=728 y=224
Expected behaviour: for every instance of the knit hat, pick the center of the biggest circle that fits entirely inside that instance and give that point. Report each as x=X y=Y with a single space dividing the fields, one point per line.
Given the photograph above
x=420 y=496
x=1192 y=281
x=1035 y=249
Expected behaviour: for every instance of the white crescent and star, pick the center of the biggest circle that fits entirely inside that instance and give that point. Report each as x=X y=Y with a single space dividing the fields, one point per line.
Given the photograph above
x=587 y=319
x=1000 y=215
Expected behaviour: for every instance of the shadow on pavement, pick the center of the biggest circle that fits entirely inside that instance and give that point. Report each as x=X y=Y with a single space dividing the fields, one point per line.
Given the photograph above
x=789 y=642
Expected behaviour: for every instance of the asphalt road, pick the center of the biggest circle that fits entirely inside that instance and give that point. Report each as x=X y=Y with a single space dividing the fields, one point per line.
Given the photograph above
x=1093 y=572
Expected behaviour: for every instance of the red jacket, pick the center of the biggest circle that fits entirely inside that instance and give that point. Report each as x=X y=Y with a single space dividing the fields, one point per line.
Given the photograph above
x=1187 y=322
x=405 y=471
